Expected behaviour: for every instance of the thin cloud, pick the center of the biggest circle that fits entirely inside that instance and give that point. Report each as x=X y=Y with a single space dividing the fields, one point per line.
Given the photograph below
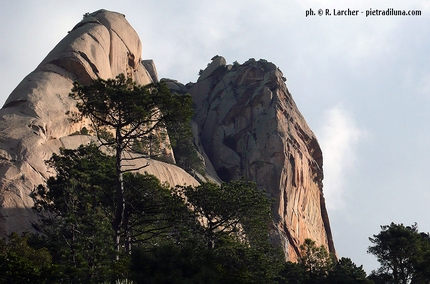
x=339 y=138
x=424 y=86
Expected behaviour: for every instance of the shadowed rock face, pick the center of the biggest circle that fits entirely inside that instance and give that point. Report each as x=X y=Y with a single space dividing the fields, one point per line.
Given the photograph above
x=34 y=121
x=246 y=124
x=250 y=127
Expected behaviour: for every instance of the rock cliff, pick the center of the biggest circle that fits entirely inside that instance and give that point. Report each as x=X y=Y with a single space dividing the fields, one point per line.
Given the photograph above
x=34 y=121
x=246 y=124
x=249 y=126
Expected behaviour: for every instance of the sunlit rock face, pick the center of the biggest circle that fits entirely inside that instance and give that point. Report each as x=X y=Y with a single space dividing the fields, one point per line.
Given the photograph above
x=34 y=121
x=249 y=126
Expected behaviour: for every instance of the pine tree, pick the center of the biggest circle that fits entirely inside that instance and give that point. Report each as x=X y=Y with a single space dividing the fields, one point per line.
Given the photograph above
x=127 y=113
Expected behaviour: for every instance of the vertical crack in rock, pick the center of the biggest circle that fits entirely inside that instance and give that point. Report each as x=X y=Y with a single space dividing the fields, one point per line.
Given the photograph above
x=92 y=65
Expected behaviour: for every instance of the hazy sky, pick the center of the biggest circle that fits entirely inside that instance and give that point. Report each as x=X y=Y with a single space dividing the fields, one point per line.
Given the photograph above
x=362 y=83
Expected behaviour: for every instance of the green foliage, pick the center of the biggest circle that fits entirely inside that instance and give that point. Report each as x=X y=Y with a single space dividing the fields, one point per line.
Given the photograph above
x=105 y=136
x=292 y=273
x=170 y=262
x=236 y=209
x=153 y=212
x=130 y=113
x=346 y=271
x=149 y=145
x=186 y=154
x=83 y=131
x=315 y=260
x=20 y=263
x=134 y=110
x=76 y=212
x=78 y=204
x=403 y=253
x=316 y=266
x=236 y=217
x=187 y=157
x=205 y=234
x=240 y=263
x=226 y=242
x=380 y=278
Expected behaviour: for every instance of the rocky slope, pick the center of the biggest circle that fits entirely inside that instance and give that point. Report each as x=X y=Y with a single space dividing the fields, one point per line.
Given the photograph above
x=246 y=125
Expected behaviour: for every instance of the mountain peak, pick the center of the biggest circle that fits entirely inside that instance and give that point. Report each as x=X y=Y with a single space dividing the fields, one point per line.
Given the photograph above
x=246 y=124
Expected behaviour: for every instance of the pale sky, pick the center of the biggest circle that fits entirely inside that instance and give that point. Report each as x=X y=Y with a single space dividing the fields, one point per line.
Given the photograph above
x=362 y=84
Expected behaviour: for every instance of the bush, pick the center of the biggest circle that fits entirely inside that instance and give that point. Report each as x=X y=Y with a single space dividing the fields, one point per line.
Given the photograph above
x=20 y=263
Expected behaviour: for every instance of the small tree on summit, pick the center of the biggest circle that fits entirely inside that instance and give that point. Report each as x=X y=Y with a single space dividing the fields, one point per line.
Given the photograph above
x=122 y=113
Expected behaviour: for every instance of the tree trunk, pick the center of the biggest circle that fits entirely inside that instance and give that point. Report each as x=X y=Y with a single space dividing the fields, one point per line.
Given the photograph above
x=126 y=226
x=120 y=199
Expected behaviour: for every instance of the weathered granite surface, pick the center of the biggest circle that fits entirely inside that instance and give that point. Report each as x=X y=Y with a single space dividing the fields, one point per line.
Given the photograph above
x=249 y=126
x=34 y=121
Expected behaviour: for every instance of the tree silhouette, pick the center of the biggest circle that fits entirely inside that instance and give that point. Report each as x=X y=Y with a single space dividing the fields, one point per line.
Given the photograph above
x=122 y=113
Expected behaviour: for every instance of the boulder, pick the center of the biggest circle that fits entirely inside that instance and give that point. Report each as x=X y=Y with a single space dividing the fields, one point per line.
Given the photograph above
x=218 y=63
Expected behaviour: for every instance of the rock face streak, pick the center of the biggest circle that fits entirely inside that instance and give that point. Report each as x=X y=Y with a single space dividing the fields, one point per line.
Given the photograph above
x=246 y=124
x=250 y=127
